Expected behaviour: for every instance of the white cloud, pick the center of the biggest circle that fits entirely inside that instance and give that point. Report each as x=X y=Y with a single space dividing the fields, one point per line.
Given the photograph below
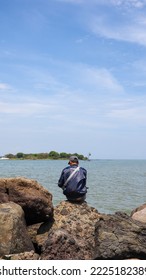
x=102 y=79
x=88 y=80
x=96 y=97
x=128 y=111
x=4 y=86
x=124 y=3
x=129 y=3
x=125 y=21
x=133 y=30
x=26 y=106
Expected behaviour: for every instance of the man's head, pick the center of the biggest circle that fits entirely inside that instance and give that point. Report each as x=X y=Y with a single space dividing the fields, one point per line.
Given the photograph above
x=73 y=160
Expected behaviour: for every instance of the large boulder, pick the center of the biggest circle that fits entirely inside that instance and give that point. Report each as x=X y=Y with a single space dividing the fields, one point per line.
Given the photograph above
x=34 y=199
x=119 y=237
x=139 y=213
x=61 y=245
x=71 y=235
x=14 y=237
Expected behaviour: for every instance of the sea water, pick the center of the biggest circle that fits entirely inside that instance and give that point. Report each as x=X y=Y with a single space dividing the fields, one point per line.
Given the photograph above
x=113 y=185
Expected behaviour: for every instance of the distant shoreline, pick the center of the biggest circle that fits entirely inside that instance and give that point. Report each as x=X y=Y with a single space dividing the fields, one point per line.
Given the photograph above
x=53 y=155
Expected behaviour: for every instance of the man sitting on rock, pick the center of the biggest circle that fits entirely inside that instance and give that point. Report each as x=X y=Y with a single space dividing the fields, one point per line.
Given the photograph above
x=73 y=181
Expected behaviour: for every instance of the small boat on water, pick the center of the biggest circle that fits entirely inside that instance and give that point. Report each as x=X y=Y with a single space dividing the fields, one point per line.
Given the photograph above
x=1 y=158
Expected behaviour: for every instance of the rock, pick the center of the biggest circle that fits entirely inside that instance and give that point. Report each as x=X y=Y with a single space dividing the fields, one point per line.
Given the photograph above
x=33 y=231
x=14 y=237
x=34 y=199
x=119 y=237
x=69 y=231
x=60 y=245
x=139 y=213
x=73 y=222
x=22 y=256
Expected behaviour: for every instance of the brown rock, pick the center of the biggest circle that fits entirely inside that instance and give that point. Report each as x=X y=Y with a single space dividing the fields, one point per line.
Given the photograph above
x=119 y=237
x=60 y=245
x=22 y=256
x=74 y=222
x=13 y=233
x=139 y=213
x=35 y=200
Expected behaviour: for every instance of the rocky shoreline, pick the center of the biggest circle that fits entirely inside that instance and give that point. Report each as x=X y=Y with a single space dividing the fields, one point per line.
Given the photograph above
x=32 y=229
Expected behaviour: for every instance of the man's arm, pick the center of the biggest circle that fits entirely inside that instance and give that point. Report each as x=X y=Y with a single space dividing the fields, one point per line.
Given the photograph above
x=61 y=180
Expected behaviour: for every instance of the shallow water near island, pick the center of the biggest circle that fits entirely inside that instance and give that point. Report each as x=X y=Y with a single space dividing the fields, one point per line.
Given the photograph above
x=114 y=185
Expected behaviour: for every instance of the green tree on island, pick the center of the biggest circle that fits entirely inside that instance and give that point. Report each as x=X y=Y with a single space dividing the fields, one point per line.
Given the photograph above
x=51 y=155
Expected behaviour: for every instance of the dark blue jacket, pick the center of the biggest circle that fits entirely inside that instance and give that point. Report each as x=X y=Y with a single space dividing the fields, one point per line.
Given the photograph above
x=76 y=187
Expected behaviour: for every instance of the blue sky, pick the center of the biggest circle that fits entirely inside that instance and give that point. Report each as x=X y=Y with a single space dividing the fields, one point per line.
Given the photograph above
x=73 y=77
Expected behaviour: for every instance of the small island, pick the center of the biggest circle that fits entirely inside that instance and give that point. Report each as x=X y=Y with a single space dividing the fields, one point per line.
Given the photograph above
x=35 y=156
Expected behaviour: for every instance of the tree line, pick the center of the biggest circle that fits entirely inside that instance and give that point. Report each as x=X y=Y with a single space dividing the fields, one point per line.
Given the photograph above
x=50 y=155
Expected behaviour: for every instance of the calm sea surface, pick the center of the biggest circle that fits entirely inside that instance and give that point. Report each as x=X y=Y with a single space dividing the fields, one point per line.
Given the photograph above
x=114 y=185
